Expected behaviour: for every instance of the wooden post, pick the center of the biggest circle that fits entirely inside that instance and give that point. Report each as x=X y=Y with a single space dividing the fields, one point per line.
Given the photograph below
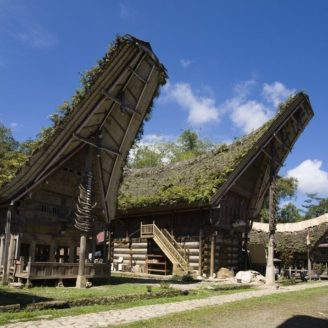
x=212 y=260
x=6 y=247
x=309 y=263
x=81 y=278
x=93 y=247
x=270 y=270
x=32 y=251
x=200 y=257
x=11 y=254
x=1 y=249
x=131 y=254
x=28 y=270
x=52 y=252
x=71 y=253
x=18 y=246
x=105 y=248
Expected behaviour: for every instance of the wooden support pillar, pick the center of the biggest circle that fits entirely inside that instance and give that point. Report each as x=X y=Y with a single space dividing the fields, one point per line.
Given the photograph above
x=1 y=249
x=52 y=251
x=105 y=248
x=93 y=247
x=270 y=270
x=200 y=257
x=11 y=253
x=6 y=247
x=31 y=252
x=81 y=279
x=212 y=260
x=71 y=253
x=18 y=246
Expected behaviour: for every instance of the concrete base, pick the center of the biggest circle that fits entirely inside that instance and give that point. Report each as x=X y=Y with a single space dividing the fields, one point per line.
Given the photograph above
x=81 y=281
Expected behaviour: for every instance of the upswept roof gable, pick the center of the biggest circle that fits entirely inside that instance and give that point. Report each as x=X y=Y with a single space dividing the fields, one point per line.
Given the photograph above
x=203 y=180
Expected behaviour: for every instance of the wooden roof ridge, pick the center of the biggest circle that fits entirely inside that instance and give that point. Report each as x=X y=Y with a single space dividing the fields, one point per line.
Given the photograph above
x=107 y=74
x=206 y=178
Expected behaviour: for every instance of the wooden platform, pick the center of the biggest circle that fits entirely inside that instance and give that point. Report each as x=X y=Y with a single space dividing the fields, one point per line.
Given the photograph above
x=60 y=271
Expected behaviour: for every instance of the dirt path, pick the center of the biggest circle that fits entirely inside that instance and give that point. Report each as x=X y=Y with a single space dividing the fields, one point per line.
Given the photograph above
x=117 y=317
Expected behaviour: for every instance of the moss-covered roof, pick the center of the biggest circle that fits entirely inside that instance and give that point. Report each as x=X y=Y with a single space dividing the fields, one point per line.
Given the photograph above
x=69 y=109
x=129 y=63
x=193 y=181
x=289 y=242
x=190 y=181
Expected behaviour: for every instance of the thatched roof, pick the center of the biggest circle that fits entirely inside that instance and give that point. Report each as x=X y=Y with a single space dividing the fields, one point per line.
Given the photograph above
x=115 y=98
x=291 y=237
x=190 y=181
x=198 y=180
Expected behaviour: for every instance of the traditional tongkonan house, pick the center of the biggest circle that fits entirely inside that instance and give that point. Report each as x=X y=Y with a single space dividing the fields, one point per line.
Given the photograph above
x=195 y=215
x=67 y=191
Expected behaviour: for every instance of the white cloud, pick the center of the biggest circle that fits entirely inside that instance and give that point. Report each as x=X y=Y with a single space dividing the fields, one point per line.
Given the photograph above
x=155 y=139
x=185 y=62
x=276 y=92
x=246 y=114
x=201 y=109
x=13 y=125
x=311 y=178
x=249 y=115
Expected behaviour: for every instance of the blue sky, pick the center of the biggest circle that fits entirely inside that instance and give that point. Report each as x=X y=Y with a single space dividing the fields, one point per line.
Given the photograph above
x=229 y=63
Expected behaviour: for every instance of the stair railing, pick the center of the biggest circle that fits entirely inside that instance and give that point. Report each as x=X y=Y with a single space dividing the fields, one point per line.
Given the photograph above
x=170 y=248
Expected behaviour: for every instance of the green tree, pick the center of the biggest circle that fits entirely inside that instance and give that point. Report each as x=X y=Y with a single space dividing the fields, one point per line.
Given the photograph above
x=11 y=157
x=189 y=145
x=314 y=206
x=289 y=213
x=286 y=189
x=145 y=156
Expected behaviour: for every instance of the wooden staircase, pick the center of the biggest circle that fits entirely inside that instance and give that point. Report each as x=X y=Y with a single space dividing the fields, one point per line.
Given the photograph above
x=170 y=247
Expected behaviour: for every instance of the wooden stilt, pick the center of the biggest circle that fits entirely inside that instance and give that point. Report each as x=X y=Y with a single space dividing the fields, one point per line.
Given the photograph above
x=200 y=257
x=11 y=254
x=212 y=260
x=1 y=249
x=6 y=247
x=270 y=269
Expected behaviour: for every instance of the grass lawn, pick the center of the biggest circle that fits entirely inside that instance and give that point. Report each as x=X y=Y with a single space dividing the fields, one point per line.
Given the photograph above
x=307 y=308
x=118 y=286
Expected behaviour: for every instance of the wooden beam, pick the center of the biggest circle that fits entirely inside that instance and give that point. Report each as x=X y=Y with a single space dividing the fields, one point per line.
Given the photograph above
x=282 y=143
x=120 y=103
x=137 y=75
x=271 y=158
x=126 y=132
x=94 y=144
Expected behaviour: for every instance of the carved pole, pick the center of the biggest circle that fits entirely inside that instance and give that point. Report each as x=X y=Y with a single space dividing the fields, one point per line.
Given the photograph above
x=270 y=269
x=84 y=215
